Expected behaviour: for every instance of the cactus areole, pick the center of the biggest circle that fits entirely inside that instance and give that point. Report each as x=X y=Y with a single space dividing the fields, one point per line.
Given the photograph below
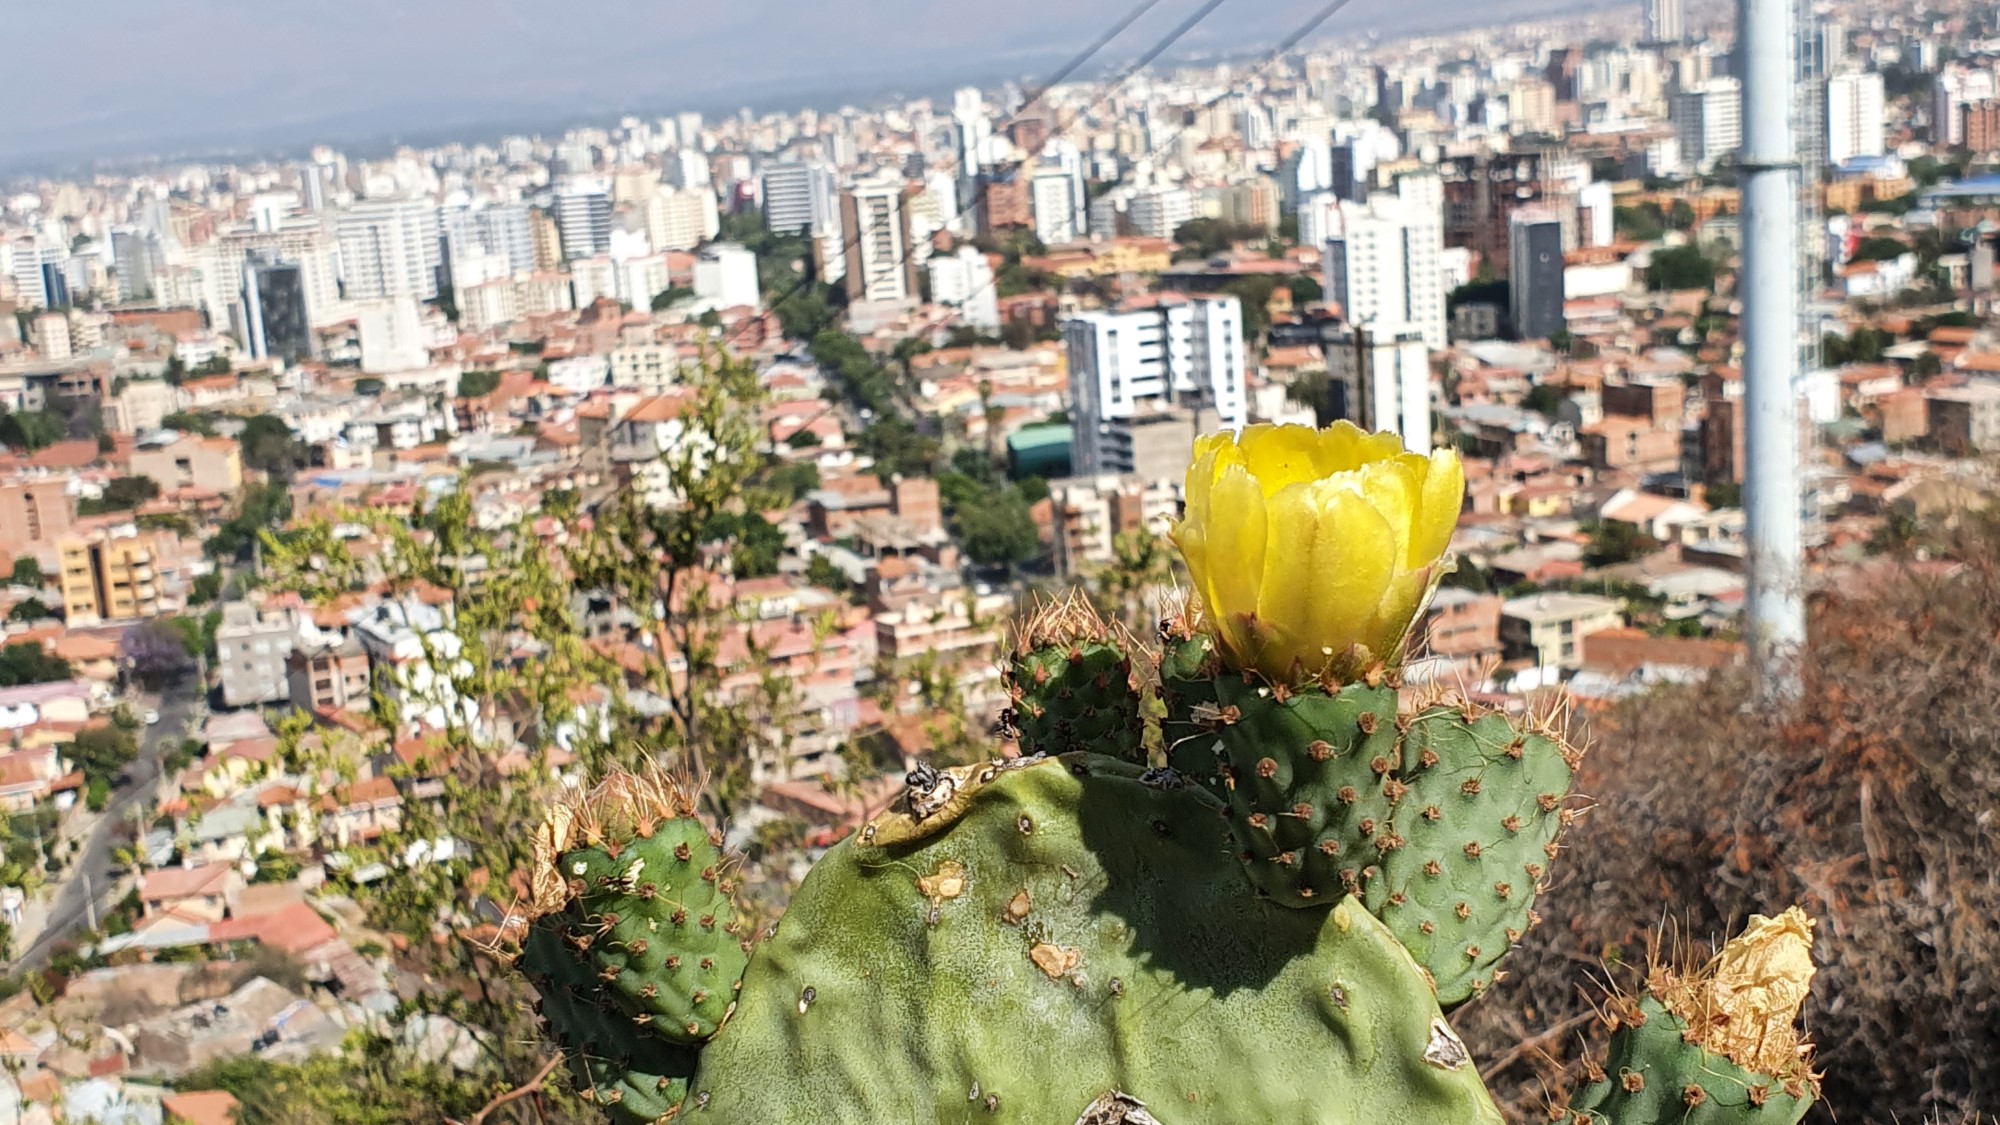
x=1248 y=901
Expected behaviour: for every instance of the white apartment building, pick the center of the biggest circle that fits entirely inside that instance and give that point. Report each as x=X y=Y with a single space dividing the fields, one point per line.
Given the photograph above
x=388 y=247
x=1159 y=212
x=725 y=277
x=798 y=198
x=1854 y=111
x=583 y=217
x=964 y=281
x=1187 y=353
x=1708 y=121
x=1385 y=376
x=1384 y=268
x=1052 y=197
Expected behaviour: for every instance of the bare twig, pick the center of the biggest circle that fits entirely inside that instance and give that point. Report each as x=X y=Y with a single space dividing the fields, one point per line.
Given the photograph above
x=531 y=1086
x=1529 y=1046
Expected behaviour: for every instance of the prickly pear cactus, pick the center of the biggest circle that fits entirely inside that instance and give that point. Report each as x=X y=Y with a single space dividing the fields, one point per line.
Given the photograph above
x=1714 y=1046
x=1265 y=931
x=1070 y=682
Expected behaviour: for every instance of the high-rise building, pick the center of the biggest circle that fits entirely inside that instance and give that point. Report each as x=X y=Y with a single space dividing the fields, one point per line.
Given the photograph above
x=964 y=281
x=388 y=247
x=275 y=325
x=1956 y=87
x=1159 y=212
x=107 y=578
x=881 y=263
x=136 y=259
x=1319 y=219
x=793 y=192
x=1002 y=193
x=30 y=278
x=1663 y=21
x=392 y=335
x=503 y=229
x=1535 y=274
x=1383 y=266
x=681 y=218
x=55 y=285
x=1708 y=121
x=1384 y=376
x=1124 y=365
x=1854 y=110
x=725 y=276
x=1349 y=164
x=1054 y=205
x=583 y=218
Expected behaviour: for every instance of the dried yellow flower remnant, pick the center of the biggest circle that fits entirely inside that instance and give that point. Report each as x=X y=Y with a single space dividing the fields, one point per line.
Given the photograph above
x=1744 y=1003
x=1763 y=974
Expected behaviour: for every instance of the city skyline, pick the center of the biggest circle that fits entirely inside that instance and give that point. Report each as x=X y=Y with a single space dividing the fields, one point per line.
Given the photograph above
x=295 y=78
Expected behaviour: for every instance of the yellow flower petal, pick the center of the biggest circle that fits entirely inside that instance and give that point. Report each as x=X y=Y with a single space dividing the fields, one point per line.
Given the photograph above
x=1232 y=553
x=1444 y=495
x=1280 y=456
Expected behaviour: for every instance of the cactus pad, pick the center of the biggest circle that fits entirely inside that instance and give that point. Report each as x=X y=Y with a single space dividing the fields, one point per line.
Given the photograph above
x=1070 y=681
x=1654 y=1074
x=637 y=1078
x=632 y=887
x=1068 y=939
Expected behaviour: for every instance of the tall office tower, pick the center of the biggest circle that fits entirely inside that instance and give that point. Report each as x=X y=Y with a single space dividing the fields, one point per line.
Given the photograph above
x=55 y=284
x=30 y=280
x=881 y=264
x=681 y=218
x=274 y=310
x=583 y=218
x=788 y=197
x=136 y=259
x=972 y=130
x=388 y=247
x=1384 y=376
x=687 y=131
x=1854 y=111
x=1956 y=87
x=1535 y=274
x=1663 y=22
x=1054 y=205
x=1708 y=121
x=1383 y=266
x=503 y=229
x=1348 y=166
x=1126 y=366
x=964 y=281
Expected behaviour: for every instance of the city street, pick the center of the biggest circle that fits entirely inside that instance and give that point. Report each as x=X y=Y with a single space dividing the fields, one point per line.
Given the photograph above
x=103 y=833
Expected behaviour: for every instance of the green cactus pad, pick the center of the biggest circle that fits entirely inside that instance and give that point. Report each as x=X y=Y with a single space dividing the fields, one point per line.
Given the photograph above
x=1187 y=688
x=1069 y=939
x=1077 y=696
x=1654 y=1074
x=1472 y=839
x=635 y=893
x=1442 y=823
x=637 y=1078
x=1310 y=781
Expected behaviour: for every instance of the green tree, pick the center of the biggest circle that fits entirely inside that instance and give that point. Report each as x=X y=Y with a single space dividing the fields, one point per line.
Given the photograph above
x=821 y=572
x=1612 y=542
x=121 y=494
x=477 y=384
x=1305 y=290
x=268 y=445
x=1254 y=292
x=1724 y=494
x=192 y=422
x=1680 y=267
x=1876 y=248
x=1205 y=238
x=29 y=611
x=998 y=529
x=26 y=663
x=1644 y=223
x=670 y=296
x=27 y=572
x=1545 y=398
x=30 y=431
x=263 y=507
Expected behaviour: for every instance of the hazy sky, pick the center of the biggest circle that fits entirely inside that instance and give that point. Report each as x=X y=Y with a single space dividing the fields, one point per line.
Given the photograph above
x=115 y=78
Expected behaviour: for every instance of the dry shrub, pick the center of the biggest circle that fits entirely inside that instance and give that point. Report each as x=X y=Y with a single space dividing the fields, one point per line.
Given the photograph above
x=1873 y=804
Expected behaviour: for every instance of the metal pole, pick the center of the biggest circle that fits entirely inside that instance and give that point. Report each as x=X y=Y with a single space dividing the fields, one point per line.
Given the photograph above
x=1772 y=495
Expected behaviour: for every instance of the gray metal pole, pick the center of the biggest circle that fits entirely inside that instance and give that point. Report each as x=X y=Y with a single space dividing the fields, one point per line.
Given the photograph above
x=1772 y=495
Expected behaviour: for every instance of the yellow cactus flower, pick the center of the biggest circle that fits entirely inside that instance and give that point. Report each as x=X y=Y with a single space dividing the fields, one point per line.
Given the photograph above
x=1313 y=550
